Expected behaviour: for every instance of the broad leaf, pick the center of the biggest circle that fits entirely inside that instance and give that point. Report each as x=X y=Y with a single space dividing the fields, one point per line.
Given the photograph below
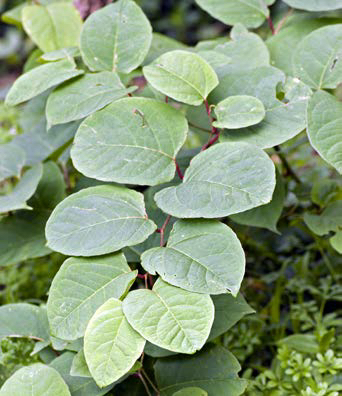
x=161 y=44
x=314 y=5
x=184 y=76
x=169 y=317
x=40 y=79
x=98 y=220
x=35 y=380
x=317 y=60
x=12 y=160
x=157 y=352
x=203 y=256
x=80 y=287
x=213 y=369
x=134 y=140
x=127 y=34
x=80 y=97
x=111 y=345
x=52 y=27
x=79 y=367
x=239 y=112
x=329 y=220
x=265 y=216
x=191 y=391
x=305 y=343
x=324 y=117
x=252 y=13
x=227 y=178
x=22 y=191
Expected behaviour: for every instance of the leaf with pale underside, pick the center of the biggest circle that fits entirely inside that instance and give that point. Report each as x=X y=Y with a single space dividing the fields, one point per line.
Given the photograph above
x=79 y=367
x=315 y=5
x=111 y=345
x=227 y=178
x=40 y=79
x=80 y=287
x=324 y=118
x=317 y=60
x=35 y=380
x=133 y=140
x=80 y=97
x=169 y=317
x=12 y=160
x=127 y=33
x=184 y=76
x=239 y=111
x=22 y=191
x=202 y=256
x=98 y=220
x=68 y=52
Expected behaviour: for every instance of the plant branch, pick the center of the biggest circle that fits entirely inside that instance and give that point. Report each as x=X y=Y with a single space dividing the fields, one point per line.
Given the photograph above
x=162 y=229
x=283 y=20
x=150 y=381
x=215 y=133
x=179 y=172
x=286 y=165
x=142 y=379
x=270 y=24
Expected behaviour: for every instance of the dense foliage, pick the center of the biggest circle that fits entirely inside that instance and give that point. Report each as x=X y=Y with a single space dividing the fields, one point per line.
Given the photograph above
x=160 y=184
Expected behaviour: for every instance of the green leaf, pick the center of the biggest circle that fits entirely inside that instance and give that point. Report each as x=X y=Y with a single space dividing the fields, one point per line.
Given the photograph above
x=52 y=27
x=184 y=76
x=324 y=117
x=13 y=16
x=228 y=311
x=161 y=44
x=214 y=369
x=227 y=178
x=202 y=256
x=265 y=216
x=40 y=79
x=12 y=160
x=23 y=320
x=127 y=33
x=239 y=112
x=111 y=345
x=80 y=287
x=251 y=13
x=157 y=352
x=83 y=96
x=191 y=391
x=79 y=367
x=98 y=220
x=68 y=52
x=316 y=68
x=314 y=5
x=35 y=380
x=336 y=242
x=169 y=317
x=326 y=191
x=329 y=220
x=305 y=343
x=22 y=191
x=134 y=140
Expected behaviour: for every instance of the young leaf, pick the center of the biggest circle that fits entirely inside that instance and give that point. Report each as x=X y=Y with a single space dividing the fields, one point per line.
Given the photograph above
x=98 y=220
x=68 y=52
x=40 y=79
x=169 y=317
x=80 y=287
x=80 y=97
x=227 y=178
x=324 y=117
x=52 y=27
x=329 y=220
x=134 y=140
x=79 y=367
x=111 y=345
x=202 y=256
x=239 y=112
x=184 y=76
x=35 y=380
x=314 y=5
x=213 y=369
x=317 y=59
x=251 y=13
x=191 y=391
x=336 y=242
x=127 y=33
x=12 y=160
x=23 y=190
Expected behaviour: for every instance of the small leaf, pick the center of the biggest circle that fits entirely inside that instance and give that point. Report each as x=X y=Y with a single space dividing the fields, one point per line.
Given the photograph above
x=324 y=117
x=39 y=79
x=239 y=112
x=227 y=178
x=191 y=391
x=80 y=97
x=316 y=68
x=134 y=140
x=52 y=27
x=169 y=317
x=22 y=191
x=314 y=5
x=202 y=256
x=127 y=34
x=79 y=367
x=12 y=160
x=305 y=343
x=35 y=380
x=98 y=220
x=111 y=345
x=184 y=76
x=325 y=191
x=329 y=220
x=80 y=287
x=68 y=52
x=336 y=242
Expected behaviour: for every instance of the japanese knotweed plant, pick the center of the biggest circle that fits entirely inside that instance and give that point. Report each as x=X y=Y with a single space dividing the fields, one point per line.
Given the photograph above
x=153 y=268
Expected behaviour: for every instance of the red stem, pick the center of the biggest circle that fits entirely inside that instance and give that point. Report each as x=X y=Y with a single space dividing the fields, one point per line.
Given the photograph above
x=215 y=133
x=179 y=172
x=270 y=24
x=162 y=229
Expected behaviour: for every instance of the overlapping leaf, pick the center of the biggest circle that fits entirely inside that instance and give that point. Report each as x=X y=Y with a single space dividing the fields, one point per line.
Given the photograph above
x=12 y=160
x=329 y=220
x=314 y=5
